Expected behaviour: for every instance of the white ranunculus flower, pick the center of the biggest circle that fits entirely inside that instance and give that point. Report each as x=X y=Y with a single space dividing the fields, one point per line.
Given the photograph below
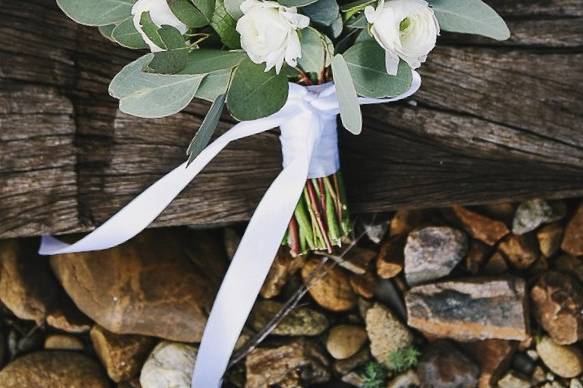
x=160 y=14
x=269 y=33
x=406 y=29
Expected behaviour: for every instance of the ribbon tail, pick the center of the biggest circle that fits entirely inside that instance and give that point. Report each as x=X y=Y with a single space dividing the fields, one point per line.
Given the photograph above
x=145 y=208
x=250 y=266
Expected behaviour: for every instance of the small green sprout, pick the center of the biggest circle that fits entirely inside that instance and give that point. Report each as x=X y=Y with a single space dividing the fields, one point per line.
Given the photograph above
x=403 y=359
x=375 y=376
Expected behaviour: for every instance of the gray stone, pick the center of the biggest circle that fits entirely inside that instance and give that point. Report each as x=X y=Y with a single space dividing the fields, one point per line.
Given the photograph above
x=444 y=366
x=432 y=253
x=535 y=212
x=170 y=365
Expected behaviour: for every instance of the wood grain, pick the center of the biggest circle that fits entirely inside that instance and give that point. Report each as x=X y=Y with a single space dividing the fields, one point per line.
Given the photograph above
x=494 y=121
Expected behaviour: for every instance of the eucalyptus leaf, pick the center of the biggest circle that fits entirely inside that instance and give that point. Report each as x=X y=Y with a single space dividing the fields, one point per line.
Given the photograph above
x=323 y=12
x=168 y=62
x=233 y=7
x=366 y=62
x=317 y=51
x=204 y=61
x=207 y=129
x=188 y=14
x=171 y=37
x=150 y=95
x=97 y=12
x=296 y=3
x=224 y=25
x=151 y=29
x=214 y=84
x=470 y=17
x=347 y=98
x=206 y=7
x=255 y=93
x=126 y=35
x=106 y=31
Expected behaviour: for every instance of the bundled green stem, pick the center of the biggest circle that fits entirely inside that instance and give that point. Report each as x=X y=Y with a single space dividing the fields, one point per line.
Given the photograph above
x=321 y=218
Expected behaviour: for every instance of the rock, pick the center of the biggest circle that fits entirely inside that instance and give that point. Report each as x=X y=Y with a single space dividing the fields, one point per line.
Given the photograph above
x=493 y=358
x=443 y=366
x=63 y=342
x=549 y=239
x=66 y=316
x=333 y=290
x=354 y=379
x=523 y=364
x=513 y=380
x=521 y=251
x=361 y=358
x=481 y=227
x=53 y=369
x=161 y=283
x=27 y=287
x=283 y=268
x=535 y=212
x=363 y=285
x=470 y=310
x=573 y=239
x=405 y=380
x=476 y=257
x=538 y=376
x=558 y=304
x=570 y=264
x=345 y=341
x=301 y=321
x=563 y=360
x=375 y=229
x=432 y=253
x=387 y=294
x=231 y=240
x=356 y=260
x=391 y=258
x=170 y=365
x=386 y=333
x=20 y=342
x=121 y=355
x=575 y=384
x=405 y=221
x=270 y=366
x=496 y=265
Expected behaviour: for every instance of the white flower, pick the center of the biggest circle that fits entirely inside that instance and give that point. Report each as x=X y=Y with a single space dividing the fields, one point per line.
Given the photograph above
x=406 y=29
x=160 y=14
x=269 y=33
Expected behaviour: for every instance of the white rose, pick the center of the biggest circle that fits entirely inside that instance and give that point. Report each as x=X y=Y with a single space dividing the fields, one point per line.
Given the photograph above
x=406 y=29
x=160 y=14
x=269 y=33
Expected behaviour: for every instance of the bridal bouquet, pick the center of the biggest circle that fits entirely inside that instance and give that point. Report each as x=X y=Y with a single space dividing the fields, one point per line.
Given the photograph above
x=242 y=54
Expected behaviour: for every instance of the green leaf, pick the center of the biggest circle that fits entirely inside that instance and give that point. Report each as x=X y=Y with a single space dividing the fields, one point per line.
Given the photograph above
x=366 y=62
x=207 y=128
x=214 y=84
x=171 y=37
x=347 y=98
x=206 y=7
x=470 y=17
x=317 y=51
x=152 y=95
x=323 y=12
x=151 y=29
x=168 y=62
x=225 y=25
x=97 y=12
x=255 y=93
x=233 y=7
x=126 y=35
x=204 y=61
x=106 y=31
x=296 y=3
x=188 y=14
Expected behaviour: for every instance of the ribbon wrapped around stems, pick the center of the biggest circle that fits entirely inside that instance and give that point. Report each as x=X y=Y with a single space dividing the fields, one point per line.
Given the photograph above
x=309 y=145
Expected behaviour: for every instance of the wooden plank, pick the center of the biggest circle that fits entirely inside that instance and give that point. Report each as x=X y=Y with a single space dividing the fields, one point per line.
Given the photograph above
x=493 y=121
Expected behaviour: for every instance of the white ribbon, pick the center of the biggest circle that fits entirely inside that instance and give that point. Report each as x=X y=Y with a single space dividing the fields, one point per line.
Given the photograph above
x=309 y=146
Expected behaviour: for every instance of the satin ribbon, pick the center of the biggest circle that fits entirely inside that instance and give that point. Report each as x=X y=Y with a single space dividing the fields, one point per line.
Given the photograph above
x=308 y=125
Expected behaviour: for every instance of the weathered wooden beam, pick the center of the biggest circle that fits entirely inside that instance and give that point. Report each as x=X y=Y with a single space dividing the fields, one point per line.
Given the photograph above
x=493 y=121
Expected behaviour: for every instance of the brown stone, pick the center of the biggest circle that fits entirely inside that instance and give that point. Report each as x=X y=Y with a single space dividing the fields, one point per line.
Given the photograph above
x=513 y=380
x=470 y=310
x=563 y=360
x=444 y=366
x=331 y=291
x=345 y=341
x=476 y=257
x=558 y=304
x=361 y=358
x=301 y=321
x=385 y=332
x=283 y=268
x=53 y=369
x=570 y=264
x=549 y=238
x=481 y=227
x=493 y=358
x=496 y=265
x=121 y=355
x=356 y=260
x=503 y=211
x=66 y=316
x=363 y=285
x=390 y=259
x=27 y=286
x=404 y=221
x=269 y=366
x=521 y=251
x=231 y=239
x=573 y=240
x=161 y=283
x=62 y=342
